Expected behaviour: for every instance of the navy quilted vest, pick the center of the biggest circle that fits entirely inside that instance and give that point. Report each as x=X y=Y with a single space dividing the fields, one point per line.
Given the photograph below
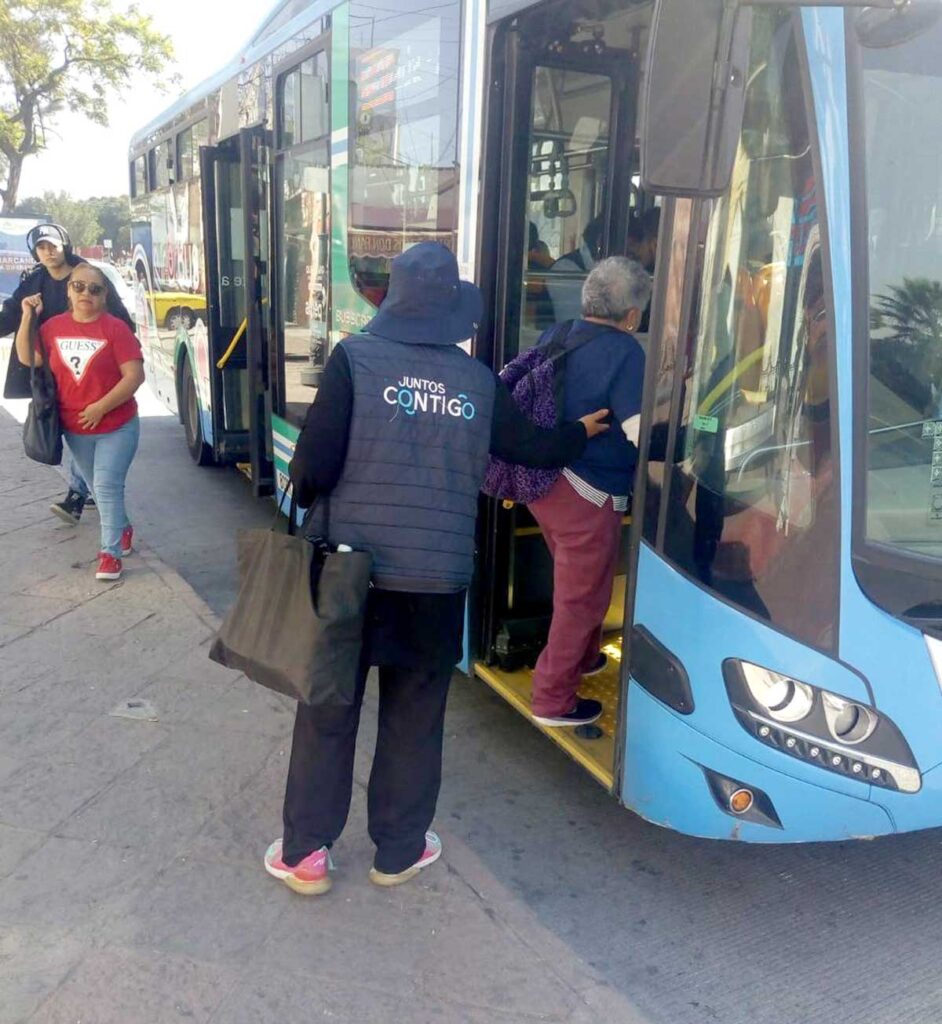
x=419 y=438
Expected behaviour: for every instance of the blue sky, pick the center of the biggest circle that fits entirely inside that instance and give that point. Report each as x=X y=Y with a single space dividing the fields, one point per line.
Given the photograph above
x=86 y=160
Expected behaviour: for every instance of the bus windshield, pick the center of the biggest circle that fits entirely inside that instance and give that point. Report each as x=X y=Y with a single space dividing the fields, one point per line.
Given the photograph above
x=901 y=77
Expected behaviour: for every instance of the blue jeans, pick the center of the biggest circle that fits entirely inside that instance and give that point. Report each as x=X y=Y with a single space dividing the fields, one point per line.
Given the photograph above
x=104 y=461
x=76 y=480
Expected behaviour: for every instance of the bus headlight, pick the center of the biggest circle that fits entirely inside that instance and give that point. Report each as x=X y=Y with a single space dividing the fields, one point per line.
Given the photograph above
x=819 y=727
x=847 y=721
x=784 y=698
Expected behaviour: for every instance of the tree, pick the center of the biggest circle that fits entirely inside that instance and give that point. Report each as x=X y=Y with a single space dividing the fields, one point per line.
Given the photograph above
x=78 y=217
x=88 y=221
x=114 y=216
x=907 y=356
x=58 y=55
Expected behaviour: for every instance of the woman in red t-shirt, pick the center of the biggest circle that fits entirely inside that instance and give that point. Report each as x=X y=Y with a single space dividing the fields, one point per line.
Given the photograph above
x=97 y=365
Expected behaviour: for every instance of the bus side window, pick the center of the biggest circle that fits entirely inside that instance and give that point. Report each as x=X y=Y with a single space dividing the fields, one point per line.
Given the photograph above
x=404 y=136
x=302 y=169
x=753 y=504
x=139 y=177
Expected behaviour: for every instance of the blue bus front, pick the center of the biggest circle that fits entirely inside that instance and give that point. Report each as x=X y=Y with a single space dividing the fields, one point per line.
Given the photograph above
x=786 y=640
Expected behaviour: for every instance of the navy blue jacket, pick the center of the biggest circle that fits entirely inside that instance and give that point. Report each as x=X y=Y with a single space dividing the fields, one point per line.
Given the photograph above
x=605 y=373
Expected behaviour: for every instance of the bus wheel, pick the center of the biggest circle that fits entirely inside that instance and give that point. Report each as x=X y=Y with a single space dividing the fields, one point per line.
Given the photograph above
x=200 y=452
x=180 y=316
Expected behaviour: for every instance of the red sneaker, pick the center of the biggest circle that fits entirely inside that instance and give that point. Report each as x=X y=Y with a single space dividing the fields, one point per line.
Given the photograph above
x=127 y=541
x=433 y=850
x=309 y=878
x=109 y=567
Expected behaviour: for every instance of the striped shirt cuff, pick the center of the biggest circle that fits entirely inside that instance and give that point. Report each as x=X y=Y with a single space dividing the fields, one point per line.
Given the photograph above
x=593 y=494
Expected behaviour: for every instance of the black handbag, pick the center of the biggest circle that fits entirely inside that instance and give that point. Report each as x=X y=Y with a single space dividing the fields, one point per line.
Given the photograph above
x=16 y=384
x=42 y=431
x=297 y=624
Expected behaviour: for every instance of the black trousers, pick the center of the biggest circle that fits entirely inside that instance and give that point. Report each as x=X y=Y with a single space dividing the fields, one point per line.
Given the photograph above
x=405 y=778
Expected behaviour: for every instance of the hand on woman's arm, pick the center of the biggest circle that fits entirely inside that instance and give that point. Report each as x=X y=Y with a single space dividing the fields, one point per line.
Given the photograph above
x=514 y=438
x=132 y=377
x=32 y=307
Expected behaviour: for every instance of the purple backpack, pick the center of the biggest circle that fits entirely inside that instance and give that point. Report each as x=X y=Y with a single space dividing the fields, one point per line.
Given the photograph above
x=535 y=380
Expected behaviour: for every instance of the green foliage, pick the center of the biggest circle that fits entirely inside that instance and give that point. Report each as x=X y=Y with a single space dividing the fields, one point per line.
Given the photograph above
x=58 y=55
x=911 y=311
x=906 y=351
x=88 y=221
x=114 y=216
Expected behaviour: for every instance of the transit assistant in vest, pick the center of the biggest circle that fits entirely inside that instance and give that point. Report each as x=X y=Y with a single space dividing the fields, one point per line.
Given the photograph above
x=399 y=436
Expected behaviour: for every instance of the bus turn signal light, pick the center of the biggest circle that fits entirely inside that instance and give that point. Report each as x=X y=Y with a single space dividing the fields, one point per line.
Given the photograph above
x=741 y=801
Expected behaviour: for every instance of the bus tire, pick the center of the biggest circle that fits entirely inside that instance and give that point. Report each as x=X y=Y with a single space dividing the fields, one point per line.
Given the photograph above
x=200 y=452
x=180 y=316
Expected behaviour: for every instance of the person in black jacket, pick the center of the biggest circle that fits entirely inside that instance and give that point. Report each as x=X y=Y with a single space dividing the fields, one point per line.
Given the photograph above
x=51 y=247
x=398 y=437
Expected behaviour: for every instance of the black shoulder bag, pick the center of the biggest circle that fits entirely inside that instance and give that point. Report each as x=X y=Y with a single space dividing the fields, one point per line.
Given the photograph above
x=42 y=431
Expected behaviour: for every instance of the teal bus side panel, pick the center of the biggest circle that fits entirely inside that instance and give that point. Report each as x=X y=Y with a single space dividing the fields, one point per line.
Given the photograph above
x=284 y=436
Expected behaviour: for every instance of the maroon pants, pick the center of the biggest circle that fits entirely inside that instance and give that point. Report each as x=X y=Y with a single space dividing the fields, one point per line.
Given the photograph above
x=583 y=540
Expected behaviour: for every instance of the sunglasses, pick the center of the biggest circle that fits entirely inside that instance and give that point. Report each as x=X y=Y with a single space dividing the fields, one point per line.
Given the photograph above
x=93 y=289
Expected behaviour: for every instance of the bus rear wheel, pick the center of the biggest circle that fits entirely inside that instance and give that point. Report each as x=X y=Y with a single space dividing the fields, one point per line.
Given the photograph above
x=200 y=452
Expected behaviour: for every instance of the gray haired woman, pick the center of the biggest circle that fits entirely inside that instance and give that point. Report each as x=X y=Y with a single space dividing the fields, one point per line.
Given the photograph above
x=581 y=516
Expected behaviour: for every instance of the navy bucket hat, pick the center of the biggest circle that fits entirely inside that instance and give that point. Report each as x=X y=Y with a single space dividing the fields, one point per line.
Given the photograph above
x=427 y=302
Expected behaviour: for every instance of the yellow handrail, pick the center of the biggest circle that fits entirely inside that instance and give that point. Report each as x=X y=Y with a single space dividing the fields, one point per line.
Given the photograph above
x=727 y=382
x=221 y=362
x=237 y=337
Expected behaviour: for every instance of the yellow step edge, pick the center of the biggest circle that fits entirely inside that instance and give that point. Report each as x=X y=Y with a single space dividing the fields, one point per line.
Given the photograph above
x=578 y=749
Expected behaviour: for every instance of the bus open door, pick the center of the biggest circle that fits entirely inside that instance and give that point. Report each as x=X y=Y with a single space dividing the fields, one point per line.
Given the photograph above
x=232 y=366
x=560 y=190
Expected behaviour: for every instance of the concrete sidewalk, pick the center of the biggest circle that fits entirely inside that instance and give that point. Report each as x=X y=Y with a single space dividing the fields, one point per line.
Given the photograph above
x=131 y=886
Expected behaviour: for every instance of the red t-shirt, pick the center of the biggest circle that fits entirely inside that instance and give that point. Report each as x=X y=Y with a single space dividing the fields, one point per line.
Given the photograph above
x=85 y=360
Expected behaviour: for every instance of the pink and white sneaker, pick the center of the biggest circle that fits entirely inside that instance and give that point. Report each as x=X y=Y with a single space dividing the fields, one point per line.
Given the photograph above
x=127 y=540
x=433 y=850
x=109 y=567
x=309 y=878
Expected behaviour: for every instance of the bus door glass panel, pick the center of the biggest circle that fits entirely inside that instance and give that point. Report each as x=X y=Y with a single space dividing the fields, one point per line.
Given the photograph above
x=567 y=183
x=231 y=286
x=305 y=239
x=404 y=134
x=256 y=158
x=303 y=198
x=754 y=503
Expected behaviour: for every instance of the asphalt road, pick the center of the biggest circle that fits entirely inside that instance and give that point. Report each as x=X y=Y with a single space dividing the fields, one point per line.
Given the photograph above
x=688 y=930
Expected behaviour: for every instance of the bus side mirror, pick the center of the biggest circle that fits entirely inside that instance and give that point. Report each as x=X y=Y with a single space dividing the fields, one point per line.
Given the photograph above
x=692 y=100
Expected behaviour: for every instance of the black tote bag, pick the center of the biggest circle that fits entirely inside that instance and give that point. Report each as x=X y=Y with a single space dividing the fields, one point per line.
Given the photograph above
x=297 y=624
x=42 y=431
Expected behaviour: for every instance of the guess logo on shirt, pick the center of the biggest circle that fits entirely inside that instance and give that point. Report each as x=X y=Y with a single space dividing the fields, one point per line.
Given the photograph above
x=77 y=353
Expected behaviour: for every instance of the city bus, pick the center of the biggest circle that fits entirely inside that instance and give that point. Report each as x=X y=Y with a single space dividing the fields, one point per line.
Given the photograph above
x=775 y=631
